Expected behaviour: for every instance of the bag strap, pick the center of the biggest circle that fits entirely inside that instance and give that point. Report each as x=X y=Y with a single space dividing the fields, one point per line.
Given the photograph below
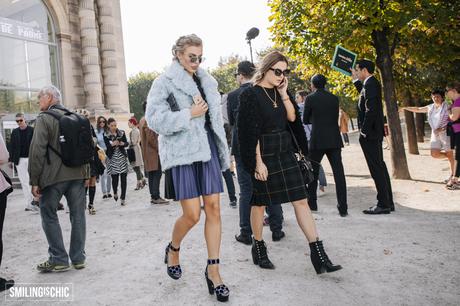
x=298 y=147
x=295 y=140
x=57 y=116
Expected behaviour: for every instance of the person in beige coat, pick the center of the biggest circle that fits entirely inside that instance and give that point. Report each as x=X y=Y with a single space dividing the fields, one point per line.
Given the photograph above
x=134 y=141
x=149 y=146
x=343 y=125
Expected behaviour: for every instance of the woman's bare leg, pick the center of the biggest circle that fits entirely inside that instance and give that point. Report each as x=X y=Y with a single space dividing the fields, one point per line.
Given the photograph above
x=257 y=221
x=212 y=233
x=191 y=211
x=305 y=220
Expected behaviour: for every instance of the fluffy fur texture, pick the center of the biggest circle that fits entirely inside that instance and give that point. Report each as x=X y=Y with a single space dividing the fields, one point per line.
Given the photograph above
x=182 y=139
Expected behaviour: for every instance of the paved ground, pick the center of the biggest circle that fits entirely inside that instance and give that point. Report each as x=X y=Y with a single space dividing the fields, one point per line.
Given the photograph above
x=410 y=257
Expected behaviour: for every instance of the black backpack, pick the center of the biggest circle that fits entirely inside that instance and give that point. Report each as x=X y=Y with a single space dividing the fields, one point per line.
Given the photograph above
x=75 y=138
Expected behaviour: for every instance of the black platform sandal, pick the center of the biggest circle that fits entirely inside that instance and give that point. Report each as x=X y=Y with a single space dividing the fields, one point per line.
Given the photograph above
x=175 y=272
x=222 y=291
x=320 y=260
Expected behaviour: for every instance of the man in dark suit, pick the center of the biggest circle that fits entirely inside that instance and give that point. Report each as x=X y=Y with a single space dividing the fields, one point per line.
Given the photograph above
x=21 y=138
x=370 y=123
x=322 y=112
x=244 y=75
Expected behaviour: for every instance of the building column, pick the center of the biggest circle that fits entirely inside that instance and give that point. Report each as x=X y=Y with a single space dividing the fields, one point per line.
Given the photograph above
x=90 y=56
x=108 y=56
x=120 y=56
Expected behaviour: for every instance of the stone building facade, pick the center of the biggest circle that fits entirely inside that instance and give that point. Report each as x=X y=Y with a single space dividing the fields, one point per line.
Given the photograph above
x=76 y=45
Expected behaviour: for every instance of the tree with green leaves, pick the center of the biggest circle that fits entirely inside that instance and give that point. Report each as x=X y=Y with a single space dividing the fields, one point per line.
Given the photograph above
x=138 y=89
x=225 y=71
x=310 y=30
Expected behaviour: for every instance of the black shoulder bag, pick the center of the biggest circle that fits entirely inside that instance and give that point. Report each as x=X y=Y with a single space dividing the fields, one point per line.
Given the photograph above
x=305 y=165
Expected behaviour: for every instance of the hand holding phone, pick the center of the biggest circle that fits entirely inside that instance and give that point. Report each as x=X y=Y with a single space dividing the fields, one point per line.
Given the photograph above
x=282 y=87
x=197 y=99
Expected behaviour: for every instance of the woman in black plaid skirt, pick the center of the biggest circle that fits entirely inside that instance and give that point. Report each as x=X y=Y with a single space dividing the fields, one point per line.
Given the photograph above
x=267 y=115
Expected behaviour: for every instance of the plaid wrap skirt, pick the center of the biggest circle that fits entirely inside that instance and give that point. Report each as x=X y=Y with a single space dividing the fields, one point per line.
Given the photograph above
x=285 y=181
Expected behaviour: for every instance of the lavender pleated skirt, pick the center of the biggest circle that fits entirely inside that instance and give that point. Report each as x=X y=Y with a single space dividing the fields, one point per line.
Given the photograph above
x=199 y=178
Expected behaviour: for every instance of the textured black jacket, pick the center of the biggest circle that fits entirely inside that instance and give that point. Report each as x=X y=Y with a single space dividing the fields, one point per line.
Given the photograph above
x=322 y=112
x=249 y=123
x=121 y=136
x=15 y=144
x=370 y=109
x=233 y=103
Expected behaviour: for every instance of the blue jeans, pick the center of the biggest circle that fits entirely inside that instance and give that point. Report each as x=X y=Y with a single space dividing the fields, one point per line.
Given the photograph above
x=275 y=217
x=322 y=177
x=106 y=183
x=244 y=180
x=74 y=192
x=227 y=174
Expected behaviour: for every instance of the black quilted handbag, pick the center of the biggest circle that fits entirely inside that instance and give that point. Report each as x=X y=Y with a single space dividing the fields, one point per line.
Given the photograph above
x=305 y=165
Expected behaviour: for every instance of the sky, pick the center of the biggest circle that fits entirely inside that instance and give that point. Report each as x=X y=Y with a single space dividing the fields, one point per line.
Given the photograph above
x=150 y=28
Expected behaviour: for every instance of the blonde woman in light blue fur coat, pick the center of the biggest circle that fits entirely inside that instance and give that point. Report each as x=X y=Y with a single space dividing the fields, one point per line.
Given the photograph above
x=183 y=107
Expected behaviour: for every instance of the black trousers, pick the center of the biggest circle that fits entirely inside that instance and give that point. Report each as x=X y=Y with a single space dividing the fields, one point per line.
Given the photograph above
x=2 y=218
x=335 y=159
x=154 y=183
x=123 y=184
x=373 y=153
x=457 y=154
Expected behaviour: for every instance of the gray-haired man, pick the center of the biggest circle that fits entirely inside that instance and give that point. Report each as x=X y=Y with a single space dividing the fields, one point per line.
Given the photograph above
x=50 y=180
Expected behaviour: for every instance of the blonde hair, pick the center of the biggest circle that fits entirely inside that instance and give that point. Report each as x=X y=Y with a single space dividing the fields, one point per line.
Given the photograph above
x=267 y=62
x=185 y=41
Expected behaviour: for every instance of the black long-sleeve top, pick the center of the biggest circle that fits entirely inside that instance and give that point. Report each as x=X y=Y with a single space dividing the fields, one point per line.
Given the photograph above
x=120 y=136
x=253 y=121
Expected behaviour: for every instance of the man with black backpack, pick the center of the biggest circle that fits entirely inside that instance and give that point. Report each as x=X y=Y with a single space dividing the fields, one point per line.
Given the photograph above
x=58 y=166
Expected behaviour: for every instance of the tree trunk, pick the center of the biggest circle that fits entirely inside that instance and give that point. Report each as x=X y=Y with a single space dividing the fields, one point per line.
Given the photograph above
x=385 y=65
x=419 y=122
x=410 y=125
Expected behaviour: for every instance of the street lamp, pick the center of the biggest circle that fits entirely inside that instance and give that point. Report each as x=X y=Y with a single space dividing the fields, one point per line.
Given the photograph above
x=250 y=35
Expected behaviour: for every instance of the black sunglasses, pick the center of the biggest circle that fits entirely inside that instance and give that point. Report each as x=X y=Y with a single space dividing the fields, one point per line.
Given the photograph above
x=279 y=72
x=19 y=121
x=194 y=59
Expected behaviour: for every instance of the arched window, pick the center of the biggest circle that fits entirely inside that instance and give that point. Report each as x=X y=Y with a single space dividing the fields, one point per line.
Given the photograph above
x=28 y=54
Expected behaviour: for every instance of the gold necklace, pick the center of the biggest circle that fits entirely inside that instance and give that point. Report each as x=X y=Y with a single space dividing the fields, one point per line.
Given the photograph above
x=275 y=105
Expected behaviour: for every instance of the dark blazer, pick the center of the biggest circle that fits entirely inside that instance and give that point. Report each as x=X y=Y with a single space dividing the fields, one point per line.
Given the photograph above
x=249 y=123
x=121 y=136
x=322 y=112
x=370 y=108
x=233 y=103
x=15 y=144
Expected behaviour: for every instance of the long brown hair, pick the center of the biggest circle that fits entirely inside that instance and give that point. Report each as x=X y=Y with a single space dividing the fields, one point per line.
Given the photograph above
x=267 y=62
x=106 y=125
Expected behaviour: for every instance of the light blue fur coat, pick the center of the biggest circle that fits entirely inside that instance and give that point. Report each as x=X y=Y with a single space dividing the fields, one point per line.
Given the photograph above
x=182 y=139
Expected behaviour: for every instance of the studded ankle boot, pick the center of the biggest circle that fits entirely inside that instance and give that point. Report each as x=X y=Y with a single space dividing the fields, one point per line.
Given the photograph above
x=260 y=256
x=320 y=260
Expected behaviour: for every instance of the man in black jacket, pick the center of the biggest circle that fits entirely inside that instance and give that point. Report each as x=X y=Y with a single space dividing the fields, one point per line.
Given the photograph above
x=370 y=123
x=21 y=138
x=244 y=74
x=322 y=112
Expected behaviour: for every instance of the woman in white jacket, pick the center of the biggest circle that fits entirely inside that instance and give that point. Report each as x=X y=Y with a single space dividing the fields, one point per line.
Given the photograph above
x=183 y=107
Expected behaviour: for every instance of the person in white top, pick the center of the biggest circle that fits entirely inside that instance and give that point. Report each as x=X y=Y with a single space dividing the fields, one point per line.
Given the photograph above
x=438 y=117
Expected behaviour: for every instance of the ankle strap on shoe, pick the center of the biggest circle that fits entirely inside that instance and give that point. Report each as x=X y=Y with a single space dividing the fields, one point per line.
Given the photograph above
x=213 y=261
x=173 y=248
